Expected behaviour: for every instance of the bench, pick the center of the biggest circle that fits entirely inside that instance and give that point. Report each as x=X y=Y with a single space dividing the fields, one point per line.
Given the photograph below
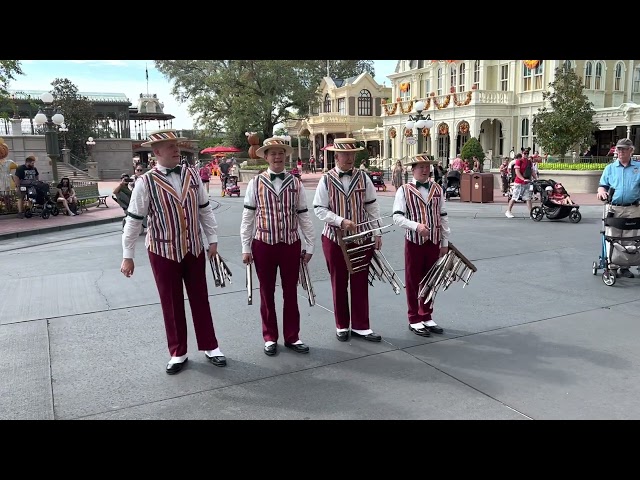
x=85 y=193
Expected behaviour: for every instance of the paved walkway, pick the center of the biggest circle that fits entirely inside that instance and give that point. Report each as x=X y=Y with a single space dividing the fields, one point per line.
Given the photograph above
x=12 y=227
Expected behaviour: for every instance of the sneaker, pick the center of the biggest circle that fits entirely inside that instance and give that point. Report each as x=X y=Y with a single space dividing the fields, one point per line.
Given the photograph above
x=508 y=214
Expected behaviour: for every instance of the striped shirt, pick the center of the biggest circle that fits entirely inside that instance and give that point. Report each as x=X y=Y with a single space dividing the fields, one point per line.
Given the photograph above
x=352 y=197
x=412 y=207
x=176 y=206
x=276 y=211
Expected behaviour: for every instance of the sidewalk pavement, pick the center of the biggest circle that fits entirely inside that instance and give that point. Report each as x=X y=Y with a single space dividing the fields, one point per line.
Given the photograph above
x=12 y=227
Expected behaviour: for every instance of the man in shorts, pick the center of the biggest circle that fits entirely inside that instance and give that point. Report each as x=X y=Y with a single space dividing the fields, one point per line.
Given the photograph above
x=522 y=183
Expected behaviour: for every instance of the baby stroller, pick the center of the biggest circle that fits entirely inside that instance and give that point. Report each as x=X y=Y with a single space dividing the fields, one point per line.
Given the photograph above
x=620 y=239
x=231 y=186
x=378 y=181
x=296 y=173
x=37 y=194
x=548 y=207
x=453 y=184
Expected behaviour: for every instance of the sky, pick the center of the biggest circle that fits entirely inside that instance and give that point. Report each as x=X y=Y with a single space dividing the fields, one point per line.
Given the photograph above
x=127 y=77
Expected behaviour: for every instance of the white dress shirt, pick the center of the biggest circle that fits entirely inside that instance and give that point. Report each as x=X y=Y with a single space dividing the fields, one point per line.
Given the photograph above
x=400 y=205
x=139 y=205
x=321 y=201
x=247 y=225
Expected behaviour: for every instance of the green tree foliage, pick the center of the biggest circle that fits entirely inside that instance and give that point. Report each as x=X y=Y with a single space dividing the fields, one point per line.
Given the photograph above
x=8 y=70
x=568 y=122
x=79 y=115
x=472 y=148
x=236 y=96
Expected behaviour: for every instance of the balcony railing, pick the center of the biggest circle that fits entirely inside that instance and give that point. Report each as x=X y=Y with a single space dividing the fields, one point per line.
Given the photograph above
x=451 y=100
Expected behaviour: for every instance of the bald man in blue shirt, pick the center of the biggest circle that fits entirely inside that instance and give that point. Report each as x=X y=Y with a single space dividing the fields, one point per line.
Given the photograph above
x=623 y=175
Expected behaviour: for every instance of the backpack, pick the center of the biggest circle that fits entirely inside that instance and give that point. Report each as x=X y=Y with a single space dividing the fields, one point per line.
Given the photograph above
x=527 y=169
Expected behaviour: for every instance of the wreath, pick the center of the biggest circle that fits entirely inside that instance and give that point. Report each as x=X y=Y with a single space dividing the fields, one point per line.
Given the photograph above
x=464 y=127
x=408 y=132
x=392 y=133
x=425 y=132
x=443 y=129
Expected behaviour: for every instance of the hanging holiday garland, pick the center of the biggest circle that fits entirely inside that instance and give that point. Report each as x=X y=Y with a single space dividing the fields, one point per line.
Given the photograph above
x=531 y=64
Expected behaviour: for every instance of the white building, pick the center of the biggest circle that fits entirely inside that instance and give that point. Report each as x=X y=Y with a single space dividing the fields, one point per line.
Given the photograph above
x=496 y=101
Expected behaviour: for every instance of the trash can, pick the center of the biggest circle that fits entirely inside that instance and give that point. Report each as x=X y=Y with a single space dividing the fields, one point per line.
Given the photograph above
x=482 y=187
x=465 y=187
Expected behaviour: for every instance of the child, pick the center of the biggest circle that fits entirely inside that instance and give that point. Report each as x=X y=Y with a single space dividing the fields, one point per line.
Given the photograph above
x=504 y=176
x=559 y=195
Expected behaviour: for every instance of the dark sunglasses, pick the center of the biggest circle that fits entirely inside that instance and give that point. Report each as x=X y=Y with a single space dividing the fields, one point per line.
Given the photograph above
x=138 y=169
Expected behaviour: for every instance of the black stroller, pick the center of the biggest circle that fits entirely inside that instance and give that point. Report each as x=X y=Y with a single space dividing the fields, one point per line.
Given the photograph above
x=377 y=180
x=549 y=208
x=453 y=184
x=37 y=195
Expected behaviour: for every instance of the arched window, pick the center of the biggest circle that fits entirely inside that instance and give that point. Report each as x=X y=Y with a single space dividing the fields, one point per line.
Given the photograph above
x=413 y=64
x=476 y=73
x=462 y=77
x=568 y=65
x=618 y=78
x=636 y=80
x=365 y=106
x=453 y=76
x=327 y=103
x=597 y=84
x=588 y=75
x=524 y=133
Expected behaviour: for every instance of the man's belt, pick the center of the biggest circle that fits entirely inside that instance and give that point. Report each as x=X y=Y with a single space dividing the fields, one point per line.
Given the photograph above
x=634 y=204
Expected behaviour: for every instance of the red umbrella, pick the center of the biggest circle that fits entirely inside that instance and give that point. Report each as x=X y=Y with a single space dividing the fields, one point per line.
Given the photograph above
x=327 y=146
x=220 y=149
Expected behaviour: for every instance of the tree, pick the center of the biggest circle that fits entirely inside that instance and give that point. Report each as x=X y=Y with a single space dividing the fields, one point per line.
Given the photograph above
x=472 y=148
x=568 y=122
x=79 y=115
x=8 y=70
x=236 y=96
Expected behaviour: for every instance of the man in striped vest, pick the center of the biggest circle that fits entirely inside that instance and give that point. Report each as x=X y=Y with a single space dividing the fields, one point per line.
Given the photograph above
x=176 y=205
x=275 y=207
x=419 y=208
x=346 y=199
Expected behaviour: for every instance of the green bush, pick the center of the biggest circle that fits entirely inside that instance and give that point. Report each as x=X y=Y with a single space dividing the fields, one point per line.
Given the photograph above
x=572 y=166
x=258 y=166
x=472 y=149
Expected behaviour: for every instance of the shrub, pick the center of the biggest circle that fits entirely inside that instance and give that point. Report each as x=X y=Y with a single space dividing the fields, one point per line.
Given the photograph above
x=472 y=148
x=572 y=166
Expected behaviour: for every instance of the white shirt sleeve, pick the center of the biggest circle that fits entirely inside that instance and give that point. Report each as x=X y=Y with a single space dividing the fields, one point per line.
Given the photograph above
x=205 y=214
x=247 y=224
x=138 y=206
x=445 y=231
x=304 y=221
x=373 y=208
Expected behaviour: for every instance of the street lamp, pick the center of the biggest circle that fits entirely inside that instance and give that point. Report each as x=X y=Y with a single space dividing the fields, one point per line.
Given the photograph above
x=63 y=128
x=90 y=143
x=50 y=119
x=419 y=121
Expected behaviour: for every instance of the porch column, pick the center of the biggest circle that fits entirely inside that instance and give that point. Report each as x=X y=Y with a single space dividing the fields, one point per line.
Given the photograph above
x=324 y=167
x=299 y=147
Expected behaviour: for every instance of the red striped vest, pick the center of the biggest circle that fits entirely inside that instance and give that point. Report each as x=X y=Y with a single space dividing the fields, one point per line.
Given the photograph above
x=423 y=212
x=349 y=204
x=277 y=213
x=173 y=226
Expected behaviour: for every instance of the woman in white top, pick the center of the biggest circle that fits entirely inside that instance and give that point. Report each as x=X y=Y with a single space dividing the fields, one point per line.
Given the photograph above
x=6 y=166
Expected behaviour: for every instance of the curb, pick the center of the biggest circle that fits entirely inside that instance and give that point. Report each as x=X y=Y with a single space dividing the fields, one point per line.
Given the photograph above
x=91 y=223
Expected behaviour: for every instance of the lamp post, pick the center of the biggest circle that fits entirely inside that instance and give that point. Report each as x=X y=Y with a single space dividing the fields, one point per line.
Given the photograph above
x=63 y=128
x=418 y=120
x=50 y=117
x=90 y=143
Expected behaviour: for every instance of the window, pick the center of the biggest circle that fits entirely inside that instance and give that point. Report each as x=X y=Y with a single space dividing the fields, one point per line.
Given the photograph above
x=636 y=80
x=618 y=83
x=597 y=84
x=462 y=75
x=568 y=65
x=427 y=88
x=406 y=95
x=537 y=77
x=413 y=64
x=342 y=106
x=443 y=146
x=588 y=75
x=365 y=107
x=504 y=78
x=327 y=103
x=439 y=80
x=453 y=76
x=476 y=73
x=420 y=63
x=524 y=133
x=526 y=77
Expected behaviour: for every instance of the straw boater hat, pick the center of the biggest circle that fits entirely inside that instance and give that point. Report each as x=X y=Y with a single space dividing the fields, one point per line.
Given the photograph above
x=419 y=159
x=274 y=142
x=162 y=136
x=345 y=145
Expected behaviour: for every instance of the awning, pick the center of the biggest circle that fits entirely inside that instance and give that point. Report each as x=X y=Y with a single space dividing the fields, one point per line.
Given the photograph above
x=607 y=127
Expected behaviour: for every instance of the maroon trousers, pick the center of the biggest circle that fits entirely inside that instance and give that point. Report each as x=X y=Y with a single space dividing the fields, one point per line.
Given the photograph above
x=418 y=259
x=341 y=280
x=170 y=276
x=267 y=259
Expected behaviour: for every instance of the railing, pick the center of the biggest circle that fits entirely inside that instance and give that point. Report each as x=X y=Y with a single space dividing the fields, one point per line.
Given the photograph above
x=78 y=162
x=568 y=159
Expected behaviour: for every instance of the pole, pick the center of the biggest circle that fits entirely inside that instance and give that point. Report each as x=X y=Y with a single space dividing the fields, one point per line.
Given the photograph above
x=51 y=142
